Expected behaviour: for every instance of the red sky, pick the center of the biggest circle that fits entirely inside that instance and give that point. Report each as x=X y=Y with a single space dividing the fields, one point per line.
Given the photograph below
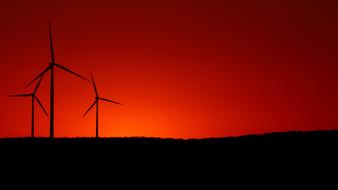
x=182 y=68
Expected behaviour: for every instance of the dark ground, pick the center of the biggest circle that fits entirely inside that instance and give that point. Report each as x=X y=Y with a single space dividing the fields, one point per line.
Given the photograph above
x=295 y=153
x=285 y=141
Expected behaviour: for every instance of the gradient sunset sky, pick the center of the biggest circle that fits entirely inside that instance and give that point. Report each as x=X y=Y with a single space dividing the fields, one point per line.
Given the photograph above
x=181 y=68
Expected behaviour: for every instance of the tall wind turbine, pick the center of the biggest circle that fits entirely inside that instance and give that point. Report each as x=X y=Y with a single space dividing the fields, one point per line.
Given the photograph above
x=50 y=68
x=34 y=97
x=96 y=102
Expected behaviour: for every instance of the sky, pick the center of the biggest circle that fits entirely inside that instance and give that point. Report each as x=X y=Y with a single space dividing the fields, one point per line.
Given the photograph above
x=181 y=68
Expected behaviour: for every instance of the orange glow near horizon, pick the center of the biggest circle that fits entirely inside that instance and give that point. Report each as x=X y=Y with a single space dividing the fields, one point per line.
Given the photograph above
x=182 y=69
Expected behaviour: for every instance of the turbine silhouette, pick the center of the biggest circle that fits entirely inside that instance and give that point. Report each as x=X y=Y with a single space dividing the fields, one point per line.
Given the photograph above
x=96 y=102
x=34 y=97
x=50 y=68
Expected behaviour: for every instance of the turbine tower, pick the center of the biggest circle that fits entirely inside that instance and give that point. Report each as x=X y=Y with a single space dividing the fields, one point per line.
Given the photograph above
x=96 y=102
x=50 y=68
x=34 y=97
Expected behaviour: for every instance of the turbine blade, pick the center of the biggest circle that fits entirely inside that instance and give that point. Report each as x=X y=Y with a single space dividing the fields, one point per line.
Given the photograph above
x=42 y=73
x=37 y=86
x=51 y=42
x=104 y=99
x=20 y=95
x=44 y=110
x=89 y=108
x=95 y=89
x=64 y=68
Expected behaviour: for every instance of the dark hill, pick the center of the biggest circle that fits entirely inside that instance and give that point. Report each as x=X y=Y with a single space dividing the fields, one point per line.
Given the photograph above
x=312 y=139
x=274 y=150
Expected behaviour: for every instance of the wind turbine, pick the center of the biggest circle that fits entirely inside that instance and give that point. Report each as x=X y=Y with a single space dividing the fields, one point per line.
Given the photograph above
x=34 y=97
x=96 y=102
x=50 y=68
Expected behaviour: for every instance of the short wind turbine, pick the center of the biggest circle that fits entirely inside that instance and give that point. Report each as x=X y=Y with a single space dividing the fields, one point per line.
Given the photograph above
x=96 y=102
x=34 y=97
